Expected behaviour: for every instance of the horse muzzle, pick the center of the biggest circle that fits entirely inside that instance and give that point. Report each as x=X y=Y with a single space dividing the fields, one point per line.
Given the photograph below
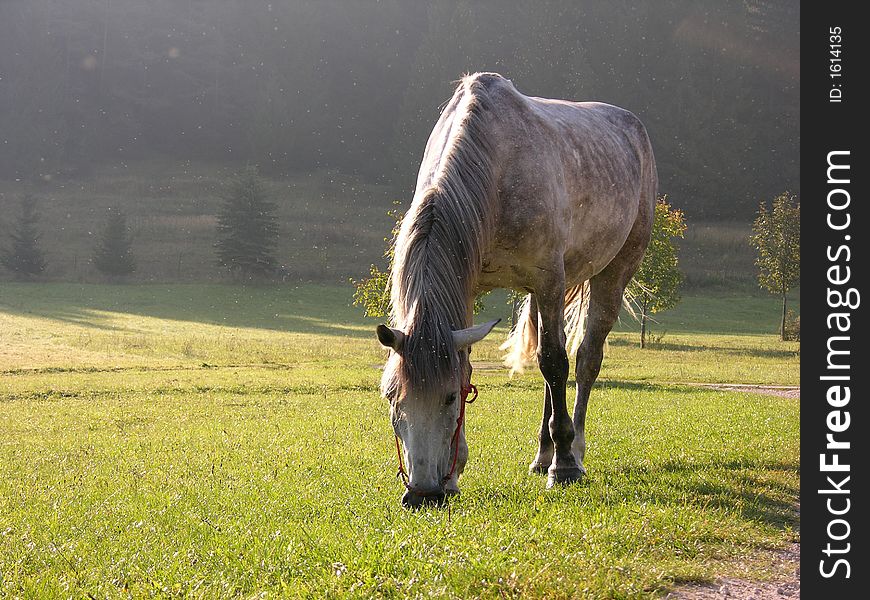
x=413 y=498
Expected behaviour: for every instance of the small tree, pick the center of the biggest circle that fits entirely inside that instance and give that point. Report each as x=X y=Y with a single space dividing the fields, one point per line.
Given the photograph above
x=24 y=257
x=655 y=286
x=113 y=255
x=372 y=293
x=247 y=228
x=777 y=238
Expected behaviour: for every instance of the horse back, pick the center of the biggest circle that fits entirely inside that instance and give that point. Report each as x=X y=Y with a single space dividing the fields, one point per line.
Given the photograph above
x=574 y=180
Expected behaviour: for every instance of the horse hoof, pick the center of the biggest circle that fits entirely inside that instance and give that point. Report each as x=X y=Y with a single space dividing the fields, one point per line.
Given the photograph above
x=564 y=476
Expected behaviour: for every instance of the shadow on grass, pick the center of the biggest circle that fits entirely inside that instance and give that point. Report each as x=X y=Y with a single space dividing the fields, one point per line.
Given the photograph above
x=750 y=487
x=744 y=488
x=743 y=351
x=670 y=389
x=80 y=318
x=314 y=309
x=748 y=492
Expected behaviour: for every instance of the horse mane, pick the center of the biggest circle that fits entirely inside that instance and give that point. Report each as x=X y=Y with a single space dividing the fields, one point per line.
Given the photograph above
x=439 y=246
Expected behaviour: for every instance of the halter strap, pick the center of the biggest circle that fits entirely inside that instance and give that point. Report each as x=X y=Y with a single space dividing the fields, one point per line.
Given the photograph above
x=403 y=474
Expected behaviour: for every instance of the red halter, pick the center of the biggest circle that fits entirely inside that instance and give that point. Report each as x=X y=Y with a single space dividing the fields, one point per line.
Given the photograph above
x=403 y=475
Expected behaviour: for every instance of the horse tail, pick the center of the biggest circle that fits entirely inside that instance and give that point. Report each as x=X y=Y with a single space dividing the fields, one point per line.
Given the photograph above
x=576 y=309
x=522 y=343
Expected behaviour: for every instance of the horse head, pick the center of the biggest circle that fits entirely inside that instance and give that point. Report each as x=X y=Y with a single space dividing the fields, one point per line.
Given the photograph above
x=427 y=415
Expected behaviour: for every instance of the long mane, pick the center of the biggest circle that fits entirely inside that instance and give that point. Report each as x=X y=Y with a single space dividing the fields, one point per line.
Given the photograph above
x=438 y=250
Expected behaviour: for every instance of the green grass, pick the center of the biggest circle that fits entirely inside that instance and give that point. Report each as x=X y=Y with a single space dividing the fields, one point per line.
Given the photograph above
x=216 y=441
x=718 y=255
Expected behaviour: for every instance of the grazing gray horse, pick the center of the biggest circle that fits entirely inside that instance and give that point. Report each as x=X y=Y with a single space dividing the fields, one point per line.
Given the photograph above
x=550 y=197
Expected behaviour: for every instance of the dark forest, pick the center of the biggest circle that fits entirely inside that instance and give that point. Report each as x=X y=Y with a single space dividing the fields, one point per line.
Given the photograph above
x=356 y=86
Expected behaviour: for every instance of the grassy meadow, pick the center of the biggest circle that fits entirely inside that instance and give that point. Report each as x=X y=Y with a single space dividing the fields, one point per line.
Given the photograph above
x=212 y=441
x=200 y=439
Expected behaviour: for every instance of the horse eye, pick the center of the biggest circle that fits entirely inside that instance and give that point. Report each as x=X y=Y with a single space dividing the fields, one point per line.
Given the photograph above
x=451 y=398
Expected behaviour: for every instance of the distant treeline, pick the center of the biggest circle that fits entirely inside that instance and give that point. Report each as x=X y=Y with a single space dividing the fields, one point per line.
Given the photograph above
x=356 y=86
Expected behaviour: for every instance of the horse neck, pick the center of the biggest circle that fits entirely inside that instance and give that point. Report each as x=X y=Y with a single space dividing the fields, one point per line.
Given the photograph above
x=438 y=260
x=443 y=237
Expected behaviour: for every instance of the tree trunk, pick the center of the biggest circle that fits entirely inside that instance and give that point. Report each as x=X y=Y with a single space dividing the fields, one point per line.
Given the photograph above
x=643 y=328
x=782 y=320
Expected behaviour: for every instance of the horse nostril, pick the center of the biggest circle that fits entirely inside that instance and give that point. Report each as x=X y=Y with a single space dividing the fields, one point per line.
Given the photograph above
x=414 y=500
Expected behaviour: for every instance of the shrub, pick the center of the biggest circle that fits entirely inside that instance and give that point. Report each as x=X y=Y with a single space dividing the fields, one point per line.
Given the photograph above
x=792 y=326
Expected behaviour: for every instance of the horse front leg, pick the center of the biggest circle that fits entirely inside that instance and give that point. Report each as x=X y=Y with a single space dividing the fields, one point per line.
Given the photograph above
x=553 y=361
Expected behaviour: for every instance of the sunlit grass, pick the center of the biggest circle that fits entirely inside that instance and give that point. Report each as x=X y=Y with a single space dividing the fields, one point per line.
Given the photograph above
x=705 y=339
x=226 y=490
x=215 y=441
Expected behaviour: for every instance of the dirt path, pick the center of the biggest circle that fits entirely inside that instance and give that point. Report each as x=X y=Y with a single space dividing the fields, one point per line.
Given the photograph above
x=735 y=588
x=783 y=391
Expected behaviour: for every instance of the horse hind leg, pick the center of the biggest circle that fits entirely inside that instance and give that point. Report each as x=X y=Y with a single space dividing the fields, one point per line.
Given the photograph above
x=604 y=305
x=606 y=292
x=544 y=456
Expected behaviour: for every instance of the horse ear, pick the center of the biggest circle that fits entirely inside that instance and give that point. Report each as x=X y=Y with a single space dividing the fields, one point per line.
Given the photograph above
x=390 y=338
x=464 y=338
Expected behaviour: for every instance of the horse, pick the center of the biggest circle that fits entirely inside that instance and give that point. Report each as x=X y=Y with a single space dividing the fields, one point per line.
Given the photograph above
x=548 y=197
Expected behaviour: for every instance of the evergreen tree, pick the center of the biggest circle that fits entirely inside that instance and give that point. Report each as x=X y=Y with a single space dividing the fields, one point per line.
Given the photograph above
x=24 y=257
x=777 y=238
x=655 y=286
x=247 y=228
x=114 y=254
